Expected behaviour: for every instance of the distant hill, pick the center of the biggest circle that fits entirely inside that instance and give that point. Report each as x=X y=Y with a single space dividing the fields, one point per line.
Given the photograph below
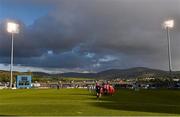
x=79 y=75
x=131 y=73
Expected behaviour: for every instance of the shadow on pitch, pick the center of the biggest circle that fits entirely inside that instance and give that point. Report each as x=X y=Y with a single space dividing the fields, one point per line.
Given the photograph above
x=8 y=115
x=80 y=94
x=109 y=102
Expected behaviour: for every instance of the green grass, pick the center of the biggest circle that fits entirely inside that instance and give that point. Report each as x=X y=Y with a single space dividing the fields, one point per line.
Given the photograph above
x=81 y=102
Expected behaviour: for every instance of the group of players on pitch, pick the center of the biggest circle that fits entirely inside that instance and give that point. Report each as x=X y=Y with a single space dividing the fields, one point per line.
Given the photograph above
x=104 y=89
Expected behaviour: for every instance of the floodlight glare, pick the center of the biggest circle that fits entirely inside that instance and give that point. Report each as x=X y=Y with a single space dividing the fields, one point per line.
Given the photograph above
x=12 y=27
x=169 y=24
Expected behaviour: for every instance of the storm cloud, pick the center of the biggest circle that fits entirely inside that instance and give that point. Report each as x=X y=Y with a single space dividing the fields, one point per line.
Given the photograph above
x=95 y=35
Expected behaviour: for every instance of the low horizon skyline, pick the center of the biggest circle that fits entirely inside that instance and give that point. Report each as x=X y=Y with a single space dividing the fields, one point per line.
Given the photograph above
x=18 y=68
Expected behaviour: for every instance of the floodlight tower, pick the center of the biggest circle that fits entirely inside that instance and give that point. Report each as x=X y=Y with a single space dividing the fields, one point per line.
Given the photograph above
x=12 y=28
x=169 y=24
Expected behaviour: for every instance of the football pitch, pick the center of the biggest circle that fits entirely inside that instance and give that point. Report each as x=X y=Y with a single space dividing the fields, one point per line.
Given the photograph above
x=81 y=102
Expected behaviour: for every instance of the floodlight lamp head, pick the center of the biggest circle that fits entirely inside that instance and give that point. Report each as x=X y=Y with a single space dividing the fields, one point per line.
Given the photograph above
x=12 y=27
x=169 y=24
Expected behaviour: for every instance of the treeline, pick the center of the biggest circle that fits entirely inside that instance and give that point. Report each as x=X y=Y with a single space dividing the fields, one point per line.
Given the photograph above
x=39 y=77
x=5 y=75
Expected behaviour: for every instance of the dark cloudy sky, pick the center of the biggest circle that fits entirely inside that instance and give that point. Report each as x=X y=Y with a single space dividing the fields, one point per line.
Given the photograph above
x=89 y=35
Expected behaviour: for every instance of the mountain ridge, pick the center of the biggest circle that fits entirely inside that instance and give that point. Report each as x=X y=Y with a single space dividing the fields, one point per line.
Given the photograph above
x=130 y=73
